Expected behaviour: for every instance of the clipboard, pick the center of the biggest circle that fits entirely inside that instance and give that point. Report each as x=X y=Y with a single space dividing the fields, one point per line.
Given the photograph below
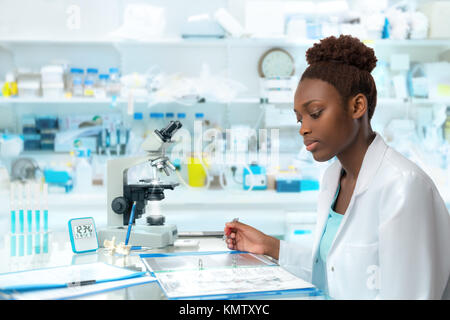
x=64 y=276
x=77 y=292
x=223 y=275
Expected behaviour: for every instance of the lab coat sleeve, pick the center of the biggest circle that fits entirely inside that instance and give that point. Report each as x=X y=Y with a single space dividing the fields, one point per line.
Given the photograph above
x=414 y=233
x=296 y=258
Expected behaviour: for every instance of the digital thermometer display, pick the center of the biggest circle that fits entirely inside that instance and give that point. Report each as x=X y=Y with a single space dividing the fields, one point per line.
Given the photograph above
x=83 y=235
x=83 y=231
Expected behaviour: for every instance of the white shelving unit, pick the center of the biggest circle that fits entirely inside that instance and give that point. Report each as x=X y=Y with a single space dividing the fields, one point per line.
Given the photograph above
x=237 y=42
x=238 y=57
x=248 y=100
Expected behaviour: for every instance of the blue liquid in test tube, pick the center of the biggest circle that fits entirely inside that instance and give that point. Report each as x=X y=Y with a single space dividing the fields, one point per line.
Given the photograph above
x=21 y=235
x=45 y=245
x=30 y=230
x=37 y=245
x=13 y=231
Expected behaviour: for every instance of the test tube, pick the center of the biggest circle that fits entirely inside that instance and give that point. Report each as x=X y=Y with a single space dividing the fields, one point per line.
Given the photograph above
x=29 y=220
x=37 y=216
x=45 y=196
x=13 y=220
x=21 y=222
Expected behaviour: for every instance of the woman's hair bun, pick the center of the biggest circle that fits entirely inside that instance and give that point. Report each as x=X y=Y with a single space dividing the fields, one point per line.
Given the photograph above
x=345 y=49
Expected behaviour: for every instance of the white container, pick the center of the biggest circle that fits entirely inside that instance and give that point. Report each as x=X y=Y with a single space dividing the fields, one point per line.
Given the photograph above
x=77 y=88
x=53 y=90
x=10 y=146
x=29 y=89
x=437 y=13
x=114 y=86
x=83 y=174
x=100 y=87
x=28 y=84
x=52 y=74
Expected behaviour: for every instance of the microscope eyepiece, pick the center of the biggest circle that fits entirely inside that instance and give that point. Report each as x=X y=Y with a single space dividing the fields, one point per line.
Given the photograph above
x=167 y=133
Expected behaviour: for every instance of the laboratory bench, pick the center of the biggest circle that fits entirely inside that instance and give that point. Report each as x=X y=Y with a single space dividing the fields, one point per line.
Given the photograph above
x=60 y=254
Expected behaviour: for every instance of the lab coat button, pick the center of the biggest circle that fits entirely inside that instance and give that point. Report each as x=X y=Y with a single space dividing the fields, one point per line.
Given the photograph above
x=317 y=260
x=332 y=269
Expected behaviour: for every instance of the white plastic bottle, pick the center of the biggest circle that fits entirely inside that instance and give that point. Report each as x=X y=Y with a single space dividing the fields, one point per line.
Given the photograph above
x=83 y=172
x=114 y=86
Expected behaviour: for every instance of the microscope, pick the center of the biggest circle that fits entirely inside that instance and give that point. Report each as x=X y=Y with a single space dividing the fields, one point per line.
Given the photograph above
x=121 y=196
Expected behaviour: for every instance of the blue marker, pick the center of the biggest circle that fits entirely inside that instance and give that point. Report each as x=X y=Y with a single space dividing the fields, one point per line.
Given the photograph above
x=130 y=223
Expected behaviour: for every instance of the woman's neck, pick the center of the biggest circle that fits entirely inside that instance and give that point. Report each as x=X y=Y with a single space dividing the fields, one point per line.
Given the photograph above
x=352 y=157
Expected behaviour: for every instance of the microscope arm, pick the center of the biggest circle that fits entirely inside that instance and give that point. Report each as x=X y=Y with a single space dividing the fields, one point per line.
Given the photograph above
x=121 y=195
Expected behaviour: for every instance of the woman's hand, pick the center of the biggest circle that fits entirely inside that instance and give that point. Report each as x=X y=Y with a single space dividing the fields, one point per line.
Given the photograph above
x=243 y=237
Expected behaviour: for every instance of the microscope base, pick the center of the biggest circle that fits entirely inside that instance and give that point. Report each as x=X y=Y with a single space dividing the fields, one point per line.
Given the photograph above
x=141 y=235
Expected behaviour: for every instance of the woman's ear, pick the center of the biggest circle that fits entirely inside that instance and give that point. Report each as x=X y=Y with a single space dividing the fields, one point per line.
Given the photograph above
x=358 y=106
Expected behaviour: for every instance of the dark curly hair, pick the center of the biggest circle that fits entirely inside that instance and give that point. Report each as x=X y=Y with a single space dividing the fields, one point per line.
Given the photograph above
x=345 y=63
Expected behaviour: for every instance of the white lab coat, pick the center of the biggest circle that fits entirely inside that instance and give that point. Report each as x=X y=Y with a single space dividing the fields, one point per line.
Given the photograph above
x=393 y=241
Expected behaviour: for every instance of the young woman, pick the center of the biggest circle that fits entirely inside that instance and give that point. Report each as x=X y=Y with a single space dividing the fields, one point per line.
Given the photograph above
x=383 y=230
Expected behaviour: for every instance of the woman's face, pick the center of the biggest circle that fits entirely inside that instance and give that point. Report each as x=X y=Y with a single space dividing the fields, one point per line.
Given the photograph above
x=327 y=127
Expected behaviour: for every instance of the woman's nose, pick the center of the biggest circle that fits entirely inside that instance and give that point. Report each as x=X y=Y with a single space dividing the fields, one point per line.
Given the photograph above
x=304 y=129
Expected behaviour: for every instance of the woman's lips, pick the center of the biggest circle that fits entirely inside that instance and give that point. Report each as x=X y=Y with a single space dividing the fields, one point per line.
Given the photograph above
x=311 y=145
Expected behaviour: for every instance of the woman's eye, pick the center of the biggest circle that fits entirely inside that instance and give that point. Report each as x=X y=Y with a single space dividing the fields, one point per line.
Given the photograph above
x=316 y=115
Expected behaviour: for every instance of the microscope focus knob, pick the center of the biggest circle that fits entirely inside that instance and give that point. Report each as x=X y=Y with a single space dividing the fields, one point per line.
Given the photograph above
x=119 y=205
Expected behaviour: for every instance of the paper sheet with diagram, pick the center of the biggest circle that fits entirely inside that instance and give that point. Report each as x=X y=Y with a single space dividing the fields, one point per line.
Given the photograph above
x=220 y=273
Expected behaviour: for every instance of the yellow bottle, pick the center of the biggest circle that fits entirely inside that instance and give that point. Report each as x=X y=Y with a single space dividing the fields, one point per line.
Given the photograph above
x=6 y=90
x=196 y=172
x=14 y=89
x=10 y=87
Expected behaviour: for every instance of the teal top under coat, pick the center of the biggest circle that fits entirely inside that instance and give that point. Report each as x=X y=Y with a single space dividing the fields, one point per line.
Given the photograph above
x=331 y=228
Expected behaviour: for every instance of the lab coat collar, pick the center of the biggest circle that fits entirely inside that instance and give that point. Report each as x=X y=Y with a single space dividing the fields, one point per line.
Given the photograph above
x=370 y=165
x=371 y=162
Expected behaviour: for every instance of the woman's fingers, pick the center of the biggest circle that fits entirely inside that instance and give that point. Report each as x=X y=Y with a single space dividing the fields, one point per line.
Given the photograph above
x=231 y=244
x=232 y=232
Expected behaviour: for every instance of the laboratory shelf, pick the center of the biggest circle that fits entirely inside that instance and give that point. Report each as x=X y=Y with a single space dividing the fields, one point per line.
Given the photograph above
x=243 y=100
x=414 y=101
x=226 y=42
x=41 y=100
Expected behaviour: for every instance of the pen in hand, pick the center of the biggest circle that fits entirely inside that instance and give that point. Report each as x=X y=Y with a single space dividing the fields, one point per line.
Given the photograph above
x=224 y=238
